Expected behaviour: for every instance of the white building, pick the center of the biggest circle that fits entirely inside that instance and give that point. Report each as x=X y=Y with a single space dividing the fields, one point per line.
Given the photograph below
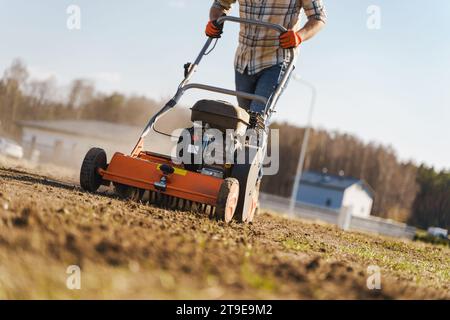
x=335 y=192
x=66 y=142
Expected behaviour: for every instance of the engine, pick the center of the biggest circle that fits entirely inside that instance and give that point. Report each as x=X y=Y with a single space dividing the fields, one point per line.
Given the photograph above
x=211 y=145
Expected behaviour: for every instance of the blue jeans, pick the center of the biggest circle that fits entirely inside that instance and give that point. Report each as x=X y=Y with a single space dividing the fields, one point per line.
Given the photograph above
x=263 y=84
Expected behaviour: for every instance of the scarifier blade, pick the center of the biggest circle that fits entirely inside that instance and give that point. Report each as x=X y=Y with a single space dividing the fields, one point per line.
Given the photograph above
x=180 y=204
x=158 y=199
x=152 y=197
x=165 y=201
x=174 y=203
x=188 y=205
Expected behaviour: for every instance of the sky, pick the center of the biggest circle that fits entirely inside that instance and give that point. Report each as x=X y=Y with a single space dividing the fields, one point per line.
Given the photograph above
x=389 y=85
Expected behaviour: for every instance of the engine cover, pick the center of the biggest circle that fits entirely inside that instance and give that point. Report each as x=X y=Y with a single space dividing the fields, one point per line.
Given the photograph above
x=221 y=115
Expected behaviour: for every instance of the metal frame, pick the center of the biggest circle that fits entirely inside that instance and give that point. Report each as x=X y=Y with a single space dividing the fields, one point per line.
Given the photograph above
x=184 y=85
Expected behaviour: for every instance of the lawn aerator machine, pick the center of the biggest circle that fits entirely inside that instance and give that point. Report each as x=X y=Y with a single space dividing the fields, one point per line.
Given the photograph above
x=223 y=190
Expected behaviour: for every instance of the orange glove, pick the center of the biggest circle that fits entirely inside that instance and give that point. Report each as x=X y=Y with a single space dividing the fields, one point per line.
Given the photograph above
x=214 y=29
x=290 y=39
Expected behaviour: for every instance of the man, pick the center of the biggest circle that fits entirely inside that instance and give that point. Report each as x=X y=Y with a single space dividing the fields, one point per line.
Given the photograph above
x=261 y=58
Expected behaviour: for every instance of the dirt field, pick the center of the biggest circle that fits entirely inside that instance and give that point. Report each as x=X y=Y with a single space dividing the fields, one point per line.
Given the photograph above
x=127 y=250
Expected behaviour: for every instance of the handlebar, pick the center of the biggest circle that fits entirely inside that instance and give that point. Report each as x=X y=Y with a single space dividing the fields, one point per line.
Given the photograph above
x=184 y=86
x=222 y=20
x=268 y=25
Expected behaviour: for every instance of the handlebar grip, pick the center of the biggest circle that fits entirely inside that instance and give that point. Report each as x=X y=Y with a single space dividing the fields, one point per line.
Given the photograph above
x=268 y=25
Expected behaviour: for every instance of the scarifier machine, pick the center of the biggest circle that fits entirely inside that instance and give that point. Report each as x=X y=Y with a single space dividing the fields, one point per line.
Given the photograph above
x=224 y=191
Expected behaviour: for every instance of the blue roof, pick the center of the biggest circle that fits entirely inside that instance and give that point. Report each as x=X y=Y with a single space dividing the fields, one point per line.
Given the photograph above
x=331 y=181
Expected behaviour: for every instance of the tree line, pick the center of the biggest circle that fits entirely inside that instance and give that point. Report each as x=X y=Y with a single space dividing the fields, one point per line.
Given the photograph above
x=403 y=191
x=22 y=98
x=431 y=206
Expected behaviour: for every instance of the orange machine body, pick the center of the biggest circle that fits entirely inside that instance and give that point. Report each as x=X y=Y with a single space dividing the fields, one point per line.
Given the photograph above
x=143 y=171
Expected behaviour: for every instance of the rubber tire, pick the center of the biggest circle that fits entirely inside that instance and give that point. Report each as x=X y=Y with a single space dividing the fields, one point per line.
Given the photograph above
x=247 y=175
x=228 y=189
x=128 y=193
x=90 y=179
x=255 y=209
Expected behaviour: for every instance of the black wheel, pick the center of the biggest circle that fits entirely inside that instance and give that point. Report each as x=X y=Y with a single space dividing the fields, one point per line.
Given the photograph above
x=128 y=193
x=227 y=200
x=247 y=174
x=90 y=179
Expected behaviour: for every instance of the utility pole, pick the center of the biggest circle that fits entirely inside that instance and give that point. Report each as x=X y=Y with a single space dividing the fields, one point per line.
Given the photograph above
x=304 y=147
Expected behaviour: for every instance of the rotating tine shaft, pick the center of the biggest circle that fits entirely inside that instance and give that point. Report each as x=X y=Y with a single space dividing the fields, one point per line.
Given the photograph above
x=174 y=203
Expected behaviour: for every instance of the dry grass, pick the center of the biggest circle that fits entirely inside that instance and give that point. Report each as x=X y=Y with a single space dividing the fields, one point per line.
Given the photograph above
x=127 y=250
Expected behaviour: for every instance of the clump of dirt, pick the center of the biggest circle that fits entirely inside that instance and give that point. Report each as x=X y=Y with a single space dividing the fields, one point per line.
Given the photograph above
x=131 y=250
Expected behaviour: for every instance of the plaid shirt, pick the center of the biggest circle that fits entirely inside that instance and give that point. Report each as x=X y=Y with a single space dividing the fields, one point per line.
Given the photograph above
x=259 y=47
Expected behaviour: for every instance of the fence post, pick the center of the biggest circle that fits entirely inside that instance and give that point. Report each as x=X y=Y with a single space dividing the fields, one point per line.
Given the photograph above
x=345 y=218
